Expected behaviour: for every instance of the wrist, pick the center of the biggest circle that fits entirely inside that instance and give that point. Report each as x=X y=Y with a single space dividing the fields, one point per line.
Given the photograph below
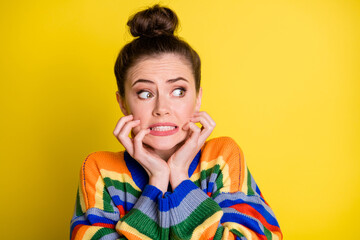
x=177 y=177
x=161 y=182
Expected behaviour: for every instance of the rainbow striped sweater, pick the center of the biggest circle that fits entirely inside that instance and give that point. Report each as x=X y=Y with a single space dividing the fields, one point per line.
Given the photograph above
x=220 y=201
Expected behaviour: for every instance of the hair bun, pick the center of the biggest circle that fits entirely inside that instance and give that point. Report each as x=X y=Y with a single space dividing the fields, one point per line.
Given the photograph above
x=152 y=22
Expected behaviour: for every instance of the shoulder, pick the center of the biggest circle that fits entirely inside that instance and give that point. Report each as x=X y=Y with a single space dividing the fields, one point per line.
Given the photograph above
x=222 y=146
x=103 y=160
x=98 y=163
x=226 y=153
x=94 y=169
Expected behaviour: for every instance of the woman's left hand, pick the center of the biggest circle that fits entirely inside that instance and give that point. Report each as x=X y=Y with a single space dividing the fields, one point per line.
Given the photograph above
x=180 y=161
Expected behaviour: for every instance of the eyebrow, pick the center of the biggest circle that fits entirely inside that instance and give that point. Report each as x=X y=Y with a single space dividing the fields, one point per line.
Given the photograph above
x=167 y=81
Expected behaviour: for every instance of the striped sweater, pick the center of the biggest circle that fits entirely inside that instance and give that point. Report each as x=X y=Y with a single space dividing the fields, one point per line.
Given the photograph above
x=220 y=201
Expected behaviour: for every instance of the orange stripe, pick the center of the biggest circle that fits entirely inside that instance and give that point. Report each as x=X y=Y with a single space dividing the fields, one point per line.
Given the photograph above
x=75 y=231
x=209 y=231
x=79 y=232
x=131 y=236
x=112 y=161
x=232 y=155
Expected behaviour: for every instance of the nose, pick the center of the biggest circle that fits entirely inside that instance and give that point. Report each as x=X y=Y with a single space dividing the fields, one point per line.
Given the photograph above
x=162 y=106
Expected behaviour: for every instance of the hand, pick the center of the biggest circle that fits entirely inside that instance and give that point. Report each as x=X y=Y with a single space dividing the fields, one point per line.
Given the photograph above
x=180 y=161
x=156 y=168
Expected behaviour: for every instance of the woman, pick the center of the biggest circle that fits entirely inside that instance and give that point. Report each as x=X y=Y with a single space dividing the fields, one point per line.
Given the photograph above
x=169 y=183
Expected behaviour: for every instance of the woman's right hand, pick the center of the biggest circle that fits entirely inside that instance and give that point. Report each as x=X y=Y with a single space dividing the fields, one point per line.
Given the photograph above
x=157 y=169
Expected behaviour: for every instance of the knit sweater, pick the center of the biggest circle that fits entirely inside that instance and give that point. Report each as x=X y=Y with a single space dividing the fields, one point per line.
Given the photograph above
x=219 y=201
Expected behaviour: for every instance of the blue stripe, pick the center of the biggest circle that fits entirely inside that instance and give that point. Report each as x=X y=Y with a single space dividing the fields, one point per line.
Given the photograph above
x=184 y=189
x=210 y=187
x=242 y=220
x=163 y=205
x=96 y=219
x=194 y=164
x=270 y=219
x=126 y=205
x=140 y=176
x=151 y=192
x=138 y=173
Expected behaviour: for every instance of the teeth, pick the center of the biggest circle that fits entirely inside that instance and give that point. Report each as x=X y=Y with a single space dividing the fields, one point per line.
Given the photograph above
x=163 y=128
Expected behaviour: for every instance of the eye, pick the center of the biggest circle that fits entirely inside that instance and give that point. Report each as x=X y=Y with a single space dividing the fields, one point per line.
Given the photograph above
x=179 y=92
x=145 y=94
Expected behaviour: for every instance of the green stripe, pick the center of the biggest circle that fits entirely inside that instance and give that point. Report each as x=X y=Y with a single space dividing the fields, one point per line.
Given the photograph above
x=197 y=183
x=236 y=232
x=102 y=232
x=267 y=233
x=145 y=225
x=107 y=201
x=207 y=173
x=250 y=190
x=125 y=187
x=219 y=184
x=219 y=233
x=184 y=230
x=79 y=211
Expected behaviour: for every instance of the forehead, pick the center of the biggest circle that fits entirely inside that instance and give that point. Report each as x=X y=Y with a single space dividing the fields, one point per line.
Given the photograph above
x=159 y=68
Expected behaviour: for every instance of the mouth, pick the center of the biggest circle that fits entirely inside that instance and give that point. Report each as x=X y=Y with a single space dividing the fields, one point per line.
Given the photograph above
x=163 y=129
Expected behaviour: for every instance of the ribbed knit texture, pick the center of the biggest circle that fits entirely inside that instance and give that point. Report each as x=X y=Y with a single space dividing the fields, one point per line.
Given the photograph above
x=220 y=201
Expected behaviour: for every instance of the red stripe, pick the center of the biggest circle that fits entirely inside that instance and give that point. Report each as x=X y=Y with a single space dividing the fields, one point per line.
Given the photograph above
x=249 y=210
x=263 y=199
x=107 y=225
x=121 y=210
x=75 y=230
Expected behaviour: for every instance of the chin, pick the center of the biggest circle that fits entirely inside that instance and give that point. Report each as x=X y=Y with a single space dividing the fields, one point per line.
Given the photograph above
x=163 y=143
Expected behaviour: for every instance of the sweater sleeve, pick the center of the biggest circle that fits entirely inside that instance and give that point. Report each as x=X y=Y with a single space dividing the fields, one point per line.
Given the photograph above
x=223 y=202
x=110 y=208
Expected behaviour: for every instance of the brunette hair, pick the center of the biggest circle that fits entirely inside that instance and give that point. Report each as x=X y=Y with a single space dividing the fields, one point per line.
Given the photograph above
x=153 y=30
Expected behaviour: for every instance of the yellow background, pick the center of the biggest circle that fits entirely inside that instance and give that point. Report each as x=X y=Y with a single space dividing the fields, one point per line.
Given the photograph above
x=280 y=77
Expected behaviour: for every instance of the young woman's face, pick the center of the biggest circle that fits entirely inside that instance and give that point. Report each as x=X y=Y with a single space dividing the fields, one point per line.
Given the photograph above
x=160 y=92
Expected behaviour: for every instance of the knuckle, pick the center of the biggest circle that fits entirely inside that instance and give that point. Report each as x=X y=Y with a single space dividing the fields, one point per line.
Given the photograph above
x=197 y=130
x=121 y=137
x=138 y=139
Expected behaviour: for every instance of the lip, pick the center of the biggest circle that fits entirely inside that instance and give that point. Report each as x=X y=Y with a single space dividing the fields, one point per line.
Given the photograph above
x=163 y=133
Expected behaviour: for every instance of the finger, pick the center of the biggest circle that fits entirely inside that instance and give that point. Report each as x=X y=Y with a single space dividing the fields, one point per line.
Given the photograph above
x=207 y=123
x=124 y=138
x=186 y=126
x=207 y=120
x=121 y=123
x=195 y=133
x=138 y=140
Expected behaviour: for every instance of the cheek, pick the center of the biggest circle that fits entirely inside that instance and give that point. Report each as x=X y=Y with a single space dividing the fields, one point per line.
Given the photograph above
x=140 y=113
x=186 y=112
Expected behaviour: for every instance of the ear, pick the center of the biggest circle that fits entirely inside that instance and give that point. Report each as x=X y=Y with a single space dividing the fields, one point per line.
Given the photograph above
x=198 y=100
x=122 y=103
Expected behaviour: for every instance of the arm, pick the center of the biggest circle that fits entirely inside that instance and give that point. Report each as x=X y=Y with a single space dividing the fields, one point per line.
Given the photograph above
x=146 y=220
x=91 y=222
x=225 y=202
x=126 y=213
